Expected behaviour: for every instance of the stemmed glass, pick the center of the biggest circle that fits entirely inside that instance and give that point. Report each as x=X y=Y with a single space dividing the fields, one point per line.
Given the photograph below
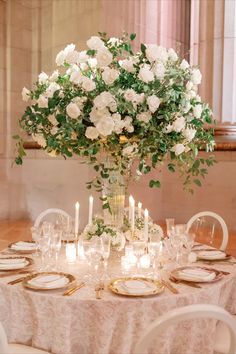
x=170 y=223
x=105 y=252
x=139 y=250
x=44 y=246
x=153 y=248
x=93 y=254
x=56 y=245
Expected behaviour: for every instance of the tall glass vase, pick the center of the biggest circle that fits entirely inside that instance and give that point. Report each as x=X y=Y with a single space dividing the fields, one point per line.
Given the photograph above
x=114 y=190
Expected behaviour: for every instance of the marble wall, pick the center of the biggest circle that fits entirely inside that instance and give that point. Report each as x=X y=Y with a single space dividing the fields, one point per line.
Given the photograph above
x=31 y=33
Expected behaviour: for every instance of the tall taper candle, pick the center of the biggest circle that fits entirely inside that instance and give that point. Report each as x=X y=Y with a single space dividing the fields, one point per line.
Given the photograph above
x=139 y=210
x=145 y=231
x=76 y=218
x=90 y=218
x=130 y=207
x=132 y=221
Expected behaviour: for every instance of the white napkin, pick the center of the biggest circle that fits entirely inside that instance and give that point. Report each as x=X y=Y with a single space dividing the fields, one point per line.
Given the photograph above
x=137 y=287
x=24 y=246
x=211 y=255
x=200 y=275
x=50 y=281
x=12 y=263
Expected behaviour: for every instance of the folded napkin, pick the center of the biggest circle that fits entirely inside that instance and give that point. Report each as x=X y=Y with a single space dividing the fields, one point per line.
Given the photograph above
x=24 y=246
x=50 y=281
x=137 y=287
x=211 y=254
x=200 y=275
x=13 y=263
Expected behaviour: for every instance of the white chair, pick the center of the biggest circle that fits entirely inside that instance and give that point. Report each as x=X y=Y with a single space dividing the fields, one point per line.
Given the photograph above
x=50 y=213
x=221 y=221
x=6 y=348
x=191 y=312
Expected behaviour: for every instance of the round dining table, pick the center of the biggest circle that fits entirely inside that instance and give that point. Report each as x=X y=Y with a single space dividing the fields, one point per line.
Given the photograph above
x=83 y=324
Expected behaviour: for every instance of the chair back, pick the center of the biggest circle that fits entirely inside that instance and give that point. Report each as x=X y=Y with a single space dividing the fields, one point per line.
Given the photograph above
x=3 y=341
x=199 y=217
x=159 y=326
x=51 y=214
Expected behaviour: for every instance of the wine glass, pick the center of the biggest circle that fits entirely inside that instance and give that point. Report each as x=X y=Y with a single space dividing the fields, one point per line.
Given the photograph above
x=93 y=254
x=44 y=246
x=56 y=245
x=105 y=251
x=153 y=248
x=139 y=250
x=170 y=223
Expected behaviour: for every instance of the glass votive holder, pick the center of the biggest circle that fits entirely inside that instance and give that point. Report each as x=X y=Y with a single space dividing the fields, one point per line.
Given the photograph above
x=145 y=261
x=129 y=250
x=70 y=253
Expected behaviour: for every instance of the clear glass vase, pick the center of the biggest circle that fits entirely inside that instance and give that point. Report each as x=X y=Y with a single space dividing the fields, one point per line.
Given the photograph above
x=114 y=190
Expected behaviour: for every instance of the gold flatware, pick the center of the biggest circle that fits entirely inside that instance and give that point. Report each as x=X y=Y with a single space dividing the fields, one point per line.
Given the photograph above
x=98 y=292
x=18 y=280
x=170 y=287
x=74 y=289
x=185 y=282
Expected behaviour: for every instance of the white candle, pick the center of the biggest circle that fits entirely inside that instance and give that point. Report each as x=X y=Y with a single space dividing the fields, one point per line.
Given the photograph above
x=76 y=218
x=130 y=202
x=90 y=217
x=132 y=212
x=145 y=261
x=80 y=251
x=70 y=252
x=145 y=231
x=139 y=210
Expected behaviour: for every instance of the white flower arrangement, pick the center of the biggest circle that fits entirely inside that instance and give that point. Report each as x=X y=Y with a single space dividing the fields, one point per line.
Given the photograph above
x=130 y=105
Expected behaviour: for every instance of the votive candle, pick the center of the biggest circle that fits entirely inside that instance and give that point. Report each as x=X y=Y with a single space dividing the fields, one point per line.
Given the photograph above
x=70 y=252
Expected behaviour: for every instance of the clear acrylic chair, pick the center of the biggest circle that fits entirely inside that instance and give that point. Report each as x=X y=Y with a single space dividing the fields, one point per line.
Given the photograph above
x=6 y=348
x=191 y=312
x=206 y=225
x=52 y=215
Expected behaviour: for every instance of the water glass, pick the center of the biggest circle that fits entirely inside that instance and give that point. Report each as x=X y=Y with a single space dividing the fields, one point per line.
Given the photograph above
x=55 y=245
x=139 y=250
x=44 y=246
x=105 y=252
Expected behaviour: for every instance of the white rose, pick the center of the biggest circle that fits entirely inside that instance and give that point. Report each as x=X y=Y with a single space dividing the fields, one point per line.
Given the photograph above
x=42 y=102
x=69 y=48
x=130 y=95
x=139 y=98
x=88 y=84
x=39 y=138
x=43 y=77
x=91 y=133
x=92 y=62
x=84 y=66
x=153 y=103
x=128 y=65
x=197 y=111
x=95 y=43
x=196 y=76
x=72 y=57
x=110 y=75
x=184 y=64
x=189 y=86
x=82 y=57
x=96 y=114
x=52 y=119
x=76 y=77
x=80 y=101
x=104 y=57
x=128 y=124
x=178 y=149
x=159 y=70
x=52 y=88
x=172 y=54
x=186 y=106
x=60 y=58
x=155 y=52
x=114 y=41
x=73 y=110
x=105 y=126
x=145 y=74
x=119 y=123
x=144 y=117
x=105 y=99
x=189 y=134
x=54 y=130
x=179 y=124
x=191 y=94
x=54 y=75
x=25 y=94
x=168 y=129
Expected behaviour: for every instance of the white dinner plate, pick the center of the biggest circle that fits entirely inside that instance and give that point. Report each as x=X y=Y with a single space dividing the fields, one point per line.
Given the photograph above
x=13 y=263
x=48 y=281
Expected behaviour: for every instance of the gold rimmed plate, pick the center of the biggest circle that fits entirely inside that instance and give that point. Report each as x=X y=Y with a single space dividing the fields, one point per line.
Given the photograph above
x=14 y=263
x=136 y=286
x=48 y=281
x=211 y=255
x=196 y=274
x=18 y=247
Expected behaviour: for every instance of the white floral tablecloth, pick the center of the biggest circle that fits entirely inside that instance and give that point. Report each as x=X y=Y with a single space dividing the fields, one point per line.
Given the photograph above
x=81 y=324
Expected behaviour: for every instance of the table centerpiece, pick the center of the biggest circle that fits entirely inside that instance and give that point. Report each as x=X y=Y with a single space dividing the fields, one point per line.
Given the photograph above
x=112 y=106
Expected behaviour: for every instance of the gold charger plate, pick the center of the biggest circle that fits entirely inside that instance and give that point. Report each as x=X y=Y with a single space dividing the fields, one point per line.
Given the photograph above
x=29 y=263
x=227 y=256
x=158 y=286
x=19 y=250
x=70 y=277
x=218 y=274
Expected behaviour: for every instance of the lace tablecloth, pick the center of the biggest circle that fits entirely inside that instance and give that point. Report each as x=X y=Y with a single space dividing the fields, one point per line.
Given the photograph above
x=81 y=324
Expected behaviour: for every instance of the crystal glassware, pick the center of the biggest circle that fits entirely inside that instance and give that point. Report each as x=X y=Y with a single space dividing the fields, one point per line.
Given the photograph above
x=55 y=245
x=105 y=252
x=139 y=250
x=170 y=223
x=44 y=247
